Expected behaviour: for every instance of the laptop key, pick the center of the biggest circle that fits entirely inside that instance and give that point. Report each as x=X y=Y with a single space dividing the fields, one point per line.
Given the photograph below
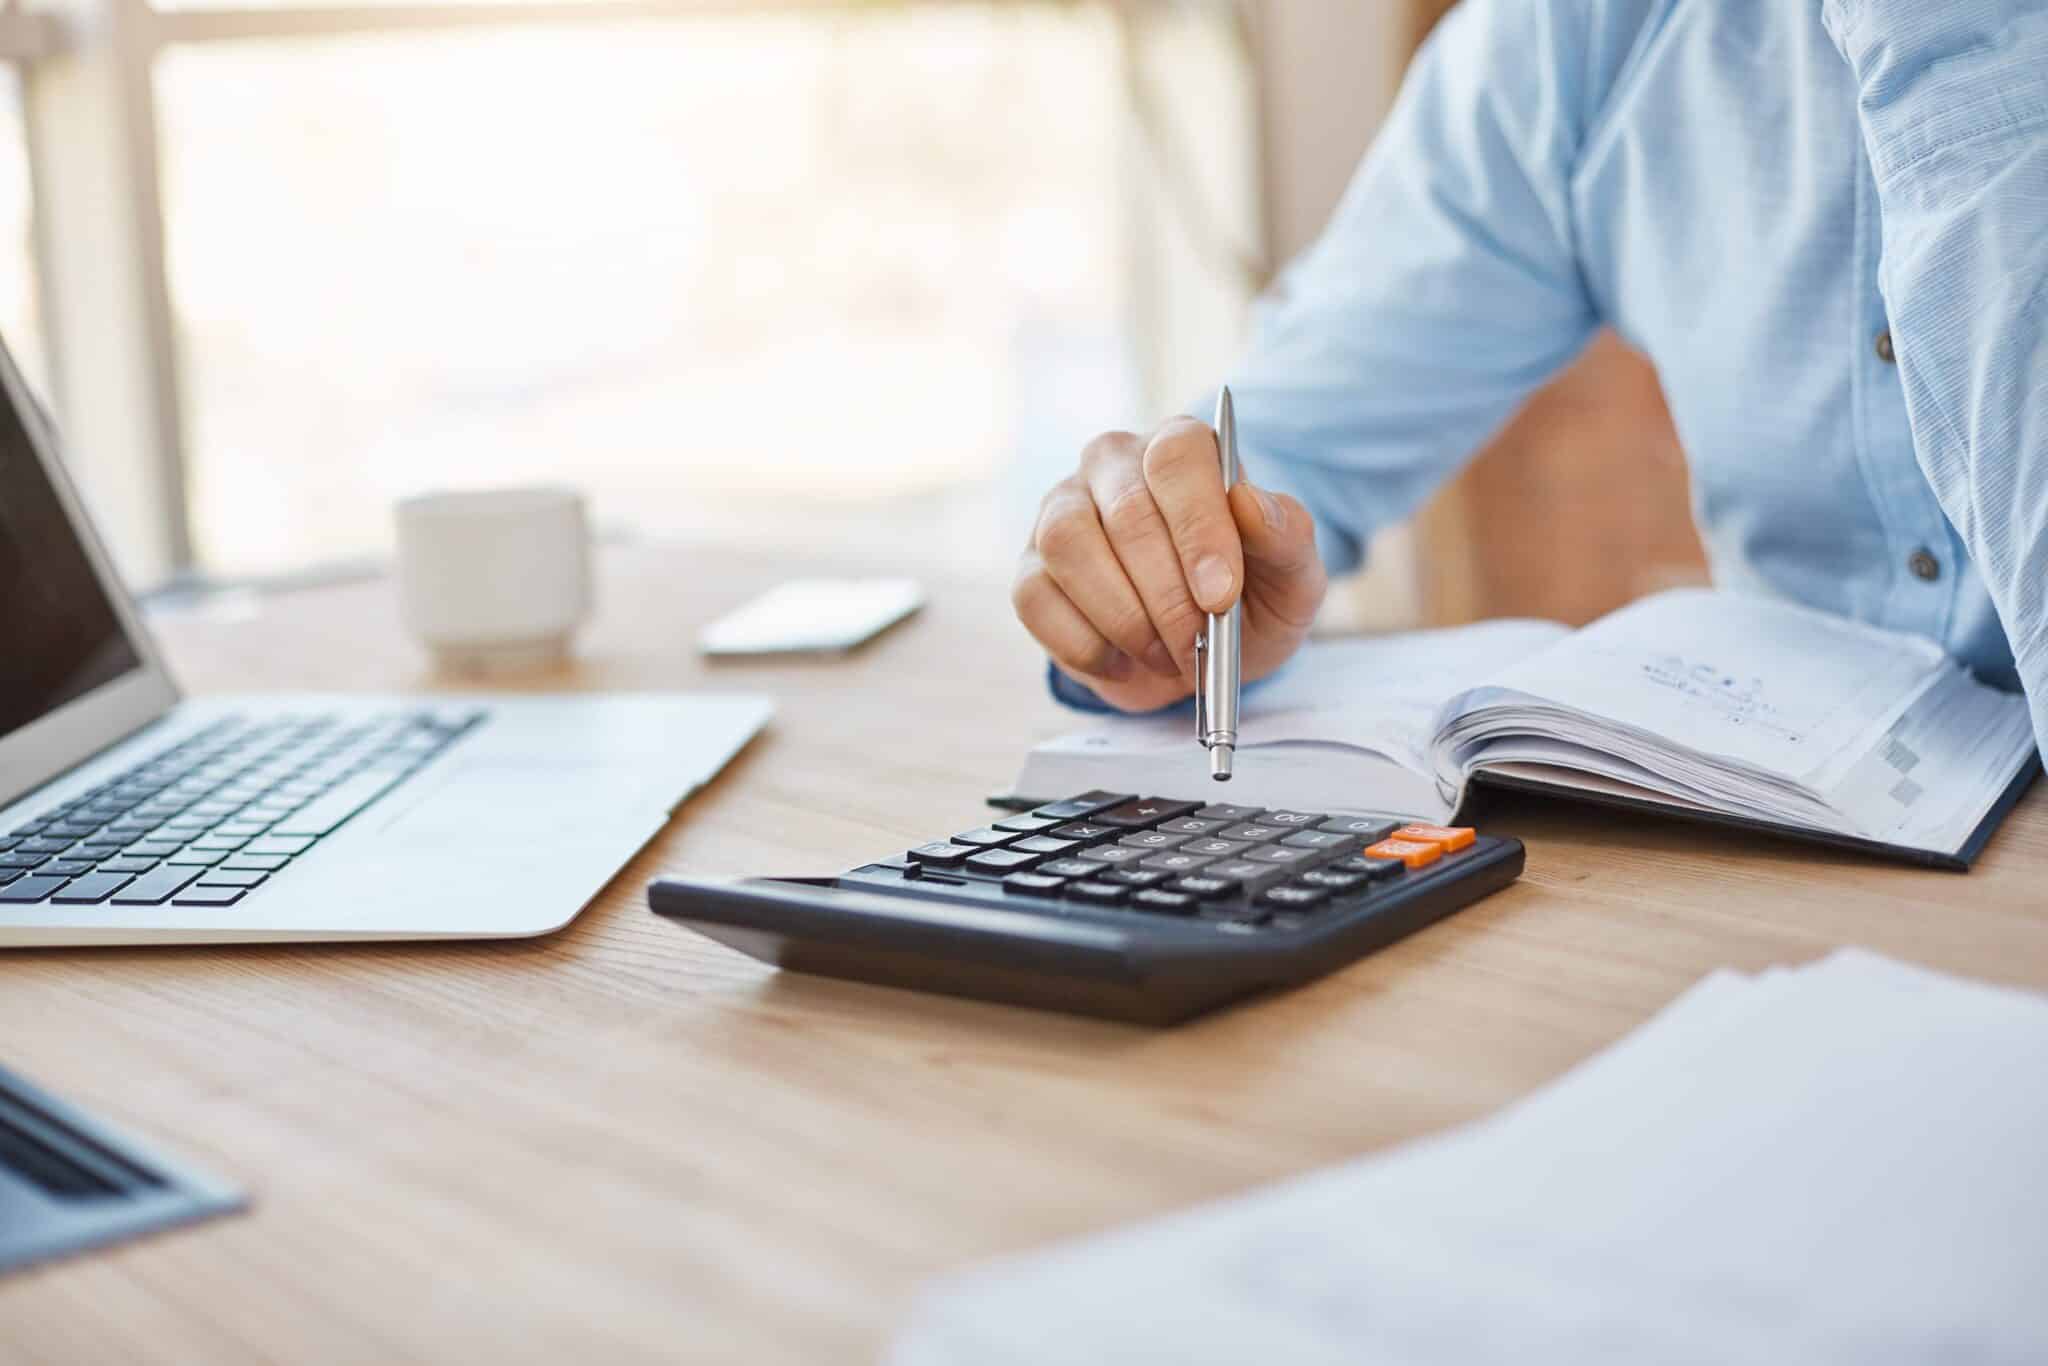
x=288 y=845
x=204 y=895
x=8 y=875
x=66 y=867
x=231 y=877
x=197 y=858
x=127 y=863
x=23 y=860
x=33 y=888
x=91 y=889
x=325 y=814
x=154 y=889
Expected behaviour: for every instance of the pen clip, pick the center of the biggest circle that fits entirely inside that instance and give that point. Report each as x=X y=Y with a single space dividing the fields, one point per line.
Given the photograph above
x=1201 y=704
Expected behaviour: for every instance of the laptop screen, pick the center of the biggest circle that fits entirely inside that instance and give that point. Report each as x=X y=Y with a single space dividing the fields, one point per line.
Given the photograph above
x=58 y=631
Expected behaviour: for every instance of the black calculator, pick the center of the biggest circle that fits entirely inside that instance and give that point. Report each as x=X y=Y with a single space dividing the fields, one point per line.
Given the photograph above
x=1140 y=908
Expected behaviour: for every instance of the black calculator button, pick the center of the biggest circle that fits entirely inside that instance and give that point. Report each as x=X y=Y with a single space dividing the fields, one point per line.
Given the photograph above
x=1153 y=840
x=1097 y=893
x=1371 y=829
x=1281 y=855
x=1294 y=897
x=1298 y=820
x=1033 y=884
x=1114 y=854
x=1086 y=831
x=1375 y=869
x=1224 y=811
x=1215 y=848
x=1252 y=834
x=1027 y=824
x=984 y=837
x=1318 y=839
x=1136 y=877
x=1175 y=903
x=1334 y=879
x=1042 y=845
x=1000 y=861
x=1188 y=825
x=1232 y=913
x=1087 y=804
x=1143 y=811
x=1070 y=867
x=1176 y=861
x=941 y=855
x=1208 y=888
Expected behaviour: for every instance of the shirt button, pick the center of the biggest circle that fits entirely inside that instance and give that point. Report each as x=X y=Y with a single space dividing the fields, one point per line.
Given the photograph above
x=1924 y=566
x=1884 y=348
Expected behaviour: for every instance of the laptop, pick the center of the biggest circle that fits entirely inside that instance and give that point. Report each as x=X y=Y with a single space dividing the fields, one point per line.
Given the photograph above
x=130 y=815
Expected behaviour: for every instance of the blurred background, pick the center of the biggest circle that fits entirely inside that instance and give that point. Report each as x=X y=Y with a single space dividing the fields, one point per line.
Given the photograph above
x=841 y=275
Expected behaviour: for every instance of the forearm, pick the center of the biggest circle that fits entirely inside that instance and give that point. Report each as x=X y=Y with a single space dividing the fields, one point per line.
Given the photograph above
x=1953 y=99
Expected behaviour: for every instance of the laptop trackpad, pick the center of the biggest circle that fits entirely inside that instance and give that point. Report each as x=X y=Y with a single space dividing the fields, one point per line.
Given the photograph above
x=523 y=797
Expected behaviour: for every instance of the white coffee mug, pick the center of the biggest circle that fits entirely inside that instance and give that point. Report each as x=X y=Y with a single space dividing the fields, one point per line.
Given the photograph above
x=495 y=580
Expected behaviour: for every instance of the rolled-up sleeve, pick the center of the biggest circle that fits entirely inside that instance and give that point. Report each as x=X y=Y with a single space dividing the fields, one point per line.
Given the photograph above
x=1953 y=101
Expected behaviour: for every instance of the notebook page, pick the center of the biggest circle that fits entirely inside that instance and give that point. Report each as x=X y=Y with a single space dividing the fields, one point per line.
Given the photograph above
x=1762 y=682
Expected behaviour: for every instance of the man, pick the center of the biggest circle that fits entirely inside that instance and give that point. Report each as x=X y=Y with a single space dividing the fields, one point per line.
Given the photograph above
x=1825 y=221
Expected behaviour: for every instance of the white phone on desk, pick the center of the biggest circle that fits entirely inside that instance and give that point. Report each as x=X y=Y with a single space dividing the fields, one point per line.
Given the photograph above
x=812 y=616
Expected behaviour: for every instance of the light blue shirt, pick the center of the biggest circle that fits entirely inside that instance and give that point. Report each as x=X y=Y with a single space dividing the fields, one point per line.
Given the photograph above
x=1751 y=192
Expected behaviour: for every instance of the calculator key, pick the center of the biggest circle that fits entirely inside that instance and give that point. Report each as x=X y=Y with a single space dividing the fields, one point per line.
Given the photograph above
x=999 y=861
x=1319 y=839
x=1099 y=893
x=942 y=854
x=1087 y=832
x=1412 y=854
x=1371 y=829
x=1207 y=888
x=91 y=890
x=1070 y=867
x=1154 y=840
x=1297 y=820
x=1224 y=811
x=231 y=877
x=1374 y=869
x=1333 y=879
x=205 y=895
x=1188 y=825
x=1252 y=834
x=1174 y=903
x=154 y=889
x=1451 y=838
x=982 y=838
x=1215 y=848
x=1176 y=861
x=31 y=888
x=1232 y=914
x=1285 y=856
x=1027 y=824
x=1087 y=804
x=1042 y=845
x=1033 y=884
x=1294 y=898
x=1136 y=877
x=1115 y=854
x=1252 y=878
x=1143 y=811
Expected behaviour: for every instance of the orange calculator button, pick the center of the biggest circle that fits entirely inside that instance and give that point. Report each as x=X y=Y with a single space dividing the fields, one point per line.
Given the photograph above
x=1451 y=838
x=1414 y=853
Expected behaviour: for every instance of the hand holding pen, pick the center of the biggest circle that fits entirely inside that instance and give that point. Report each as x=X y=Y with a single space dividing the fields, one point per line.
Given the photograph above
x=1134 y=550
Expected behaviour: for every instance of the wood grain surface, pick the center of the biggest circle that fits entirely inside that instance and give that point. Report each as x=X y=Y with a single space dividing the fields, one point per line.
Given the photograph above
x=625 y=1143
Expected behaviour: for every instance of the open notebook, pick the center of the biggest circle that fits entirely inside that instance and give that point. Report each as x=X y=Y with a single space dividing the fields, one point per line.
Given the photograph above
x=1721 y=707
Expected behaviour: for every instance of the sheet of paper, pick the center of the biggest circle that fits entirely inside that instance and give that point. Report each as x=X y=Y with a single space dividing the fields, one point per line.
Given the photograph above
x=1834 y=1164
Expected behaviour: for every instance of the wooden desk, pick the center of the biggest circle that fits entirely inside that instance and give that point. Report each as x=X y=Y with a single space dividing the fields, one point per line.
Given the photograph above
x=626 y=1143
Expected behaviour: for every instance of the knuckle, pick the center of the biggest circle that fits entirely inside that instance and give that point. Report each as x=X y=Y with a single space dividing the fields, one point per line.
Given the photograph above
x=1179 y=450
x=1129 y=514
x=1064 y=529
x=1030 y=591
x=1108 y=448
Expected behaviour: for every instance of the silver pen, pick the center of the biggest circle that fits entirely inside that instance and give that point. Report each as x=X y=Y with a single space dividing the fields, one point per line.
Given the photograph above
x=1218 y=663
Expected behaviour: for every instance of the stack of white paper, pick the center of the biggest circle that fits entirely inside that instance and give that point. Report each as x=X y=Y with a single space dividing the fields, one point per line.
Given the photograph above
x=1846 y=1162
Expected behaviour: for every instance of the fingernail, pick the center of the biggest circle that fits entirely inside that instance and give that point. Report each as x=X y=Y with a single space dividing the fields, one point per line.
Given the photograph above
x=1211 y=580
x=1276 y=516
x=1118 y=667
x=1159 y=659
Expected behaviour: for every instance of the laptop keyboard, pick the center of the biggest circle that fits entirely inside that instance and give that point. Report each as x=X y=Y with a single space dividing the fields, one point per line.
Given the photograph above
x=221 y=812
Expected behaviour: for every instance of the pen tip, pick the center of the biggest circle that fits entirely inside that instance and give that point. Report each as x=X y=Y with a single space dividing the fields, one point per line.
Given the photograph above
x=1219 y=763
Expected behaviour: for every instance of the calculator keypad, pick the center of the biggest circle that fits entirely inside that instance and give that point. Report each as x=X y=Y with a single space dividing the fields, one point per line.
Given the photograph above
x=1237 y=868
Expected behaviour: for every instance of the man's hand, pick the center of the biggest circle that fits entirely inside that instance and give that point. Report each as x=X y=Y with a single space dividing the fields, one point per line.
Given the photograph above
x=1134 y=547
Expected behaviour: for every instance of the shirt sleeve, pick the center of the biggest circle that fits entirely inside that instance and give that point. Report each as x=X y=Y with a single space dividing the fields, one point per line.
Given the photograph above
x=1445 y=288
x=1953 y=100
